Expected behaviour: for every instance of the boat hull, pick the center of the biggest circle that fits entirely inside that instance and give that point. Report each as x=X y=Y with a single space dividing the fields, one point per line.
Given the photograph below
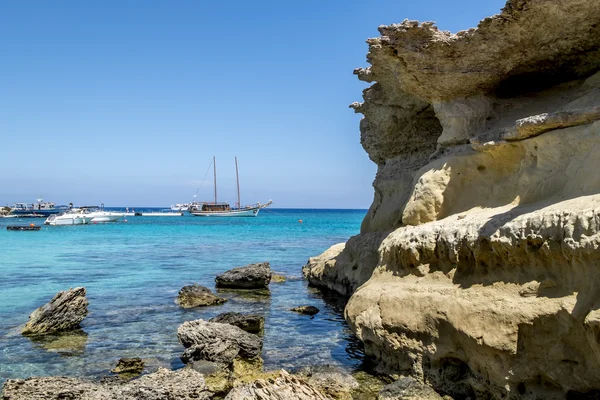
x=40 y=213
x=106 y=217
x=68 y=220
x=232 y=213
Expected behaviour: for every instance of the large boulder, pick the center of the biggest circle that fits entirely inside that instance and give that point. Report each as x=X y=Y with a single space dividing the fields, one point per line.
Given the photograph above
x=184 y=384
x=249 y=323
x=221 y=343
x=282 y=387
x=252 y=276
x=197 y=296
x=64 y=312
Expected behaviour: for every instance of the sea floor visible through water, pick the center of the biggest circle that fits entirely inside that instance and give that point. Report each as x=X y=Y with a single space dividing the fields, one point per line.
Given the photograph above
x=133 y=271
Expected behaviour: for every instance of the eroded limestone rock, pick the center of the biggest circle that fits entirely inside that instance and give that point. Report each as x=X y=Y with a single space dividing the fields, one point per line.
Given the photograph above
x=283 y=387
x=331 y=381
x=408 y=389
x=64 y=312
x=184 y=384
x=475 y=269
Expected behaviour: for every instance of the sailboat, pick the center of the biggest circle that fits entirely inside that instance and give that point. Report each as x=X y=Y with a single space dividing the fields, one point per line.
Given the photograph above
x=223 y=209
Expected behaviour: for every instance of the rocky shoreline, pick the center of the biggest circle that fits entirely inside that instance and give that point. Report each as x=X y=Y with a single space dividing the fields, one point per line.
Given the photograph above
x=222 y=356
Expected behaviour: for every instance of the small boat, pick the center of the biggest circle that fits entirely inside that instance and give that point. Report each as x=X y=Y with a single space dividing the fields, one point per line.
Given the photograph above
x=180 y=207
x=40 y=209
x=74 y=216
x=216 y=209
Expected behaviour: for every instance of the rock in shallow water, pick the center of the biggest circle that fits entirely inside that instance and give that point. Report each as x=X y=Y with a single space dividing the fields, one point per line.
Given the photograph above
x=129 y=366
x=307 y=310
x=276 y=278
x=283 y=387
x=252 y=276
x=197 y=296
x=64 y=312
x=217 y=342
x=67 y=343
x=249 y=323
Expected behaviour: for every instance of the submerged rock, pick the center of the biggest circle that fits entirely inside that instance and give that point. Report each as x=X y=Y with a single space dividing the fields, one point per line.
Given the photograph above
x=276 y=278
x=217 y=342
x=249 y=323
x=282 y=387
x=252 y=276
x=197 y=296
x=408 y=389
x=307 y=310
x=67 y=343
x=64 y=312
x=162 y=385
x=129 y=366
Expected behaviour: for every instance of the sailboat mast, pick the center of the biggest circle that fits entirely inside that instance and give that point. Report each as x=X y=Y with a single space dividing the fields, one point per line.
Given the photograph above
x=215 y=173
x=237 y=178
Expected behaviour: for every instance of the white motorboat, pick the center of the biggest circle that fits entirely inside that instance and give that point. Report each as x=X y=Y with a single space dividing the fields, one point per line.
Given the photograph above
x=71 y=217
x=216 y=209
x=180 y=207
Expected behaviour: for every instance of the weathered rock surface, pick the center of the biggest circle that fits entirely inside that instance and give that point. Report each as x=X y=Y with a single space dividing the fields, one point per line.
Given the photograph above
x=475 y=269
x=184 y=384
x=283 y=387
x=307 y=310
x=252 y=276
x=249 y=323
x=331 y=381
x=359 y=257
x=408 y=389
x=64 y=312
x=197 y=296
x=216 y=342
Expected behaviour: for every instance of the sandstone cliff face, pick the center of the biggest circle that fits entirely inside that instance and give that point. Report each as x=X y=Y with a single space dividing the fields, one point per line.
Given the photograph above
x=477 y=265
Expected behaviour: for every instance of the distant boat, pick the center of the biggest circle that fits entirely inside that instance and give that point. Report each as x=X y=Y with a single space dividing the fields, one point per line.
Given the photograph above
x=180 y=207
x=40 y=209
x=223 y=209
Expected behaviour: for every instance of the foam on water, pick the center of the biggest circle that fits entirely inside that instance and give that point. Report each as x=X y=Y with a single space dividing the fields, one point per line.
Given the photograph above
x=133 y=270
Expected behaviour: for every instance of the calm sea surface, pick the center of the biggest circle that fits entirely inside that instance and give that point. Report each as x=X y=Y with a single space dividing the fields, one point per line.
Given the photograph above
x=133 y=270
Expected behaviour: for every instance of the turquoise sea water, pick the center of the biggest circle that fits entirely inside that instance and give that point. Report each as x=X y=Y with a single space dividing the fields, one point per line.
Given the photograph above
x=133 y=270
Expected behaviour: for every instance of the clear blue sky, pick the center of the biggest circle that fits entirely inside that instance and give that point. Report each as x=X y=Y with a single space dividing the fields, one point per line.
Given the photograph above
x=126 y=102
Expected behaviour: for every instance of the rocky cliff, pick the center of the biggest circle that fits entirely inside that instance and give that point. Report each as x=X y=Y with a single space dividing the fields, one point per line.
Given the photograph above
x=477 y=267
